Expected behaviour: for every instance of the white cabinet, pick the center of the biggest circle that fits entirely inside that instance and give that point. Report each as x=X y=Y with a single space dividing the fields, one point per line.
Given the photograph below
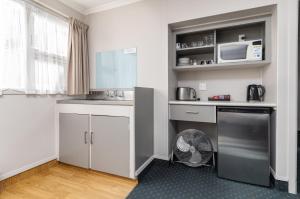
x=73 y=139
x=110 y=144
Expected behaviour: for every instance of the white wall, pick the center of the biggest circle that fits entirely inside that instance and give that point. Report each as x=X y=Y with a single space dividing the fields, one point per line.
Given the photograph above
x=292 y=57
x=178 y=10
x=27 y=125
x=228 y=82
x=139 y=25
x=26 y=131
x=144 y=25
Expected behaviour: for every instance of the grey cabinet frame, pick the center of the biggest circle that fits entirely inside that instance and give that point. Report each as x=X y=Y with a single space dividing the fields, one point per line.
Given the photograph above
x=232 y=23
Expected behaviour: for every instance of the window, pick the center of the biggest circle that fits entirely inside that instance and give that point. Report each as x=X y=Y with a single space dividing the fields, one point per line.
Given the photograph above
x=33 y=49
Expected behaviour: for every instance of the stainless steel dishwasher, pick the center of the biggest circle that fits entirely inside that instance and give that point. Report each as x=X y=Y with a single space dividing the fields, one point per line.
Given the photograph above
x=243 y=144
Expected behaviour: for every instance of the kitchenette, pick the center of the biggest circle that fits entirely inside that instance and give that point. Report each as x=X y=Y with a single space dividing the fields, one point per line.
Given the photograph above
x=222 y=107
x=148 y=99
x=222 y=103
x=222 y=84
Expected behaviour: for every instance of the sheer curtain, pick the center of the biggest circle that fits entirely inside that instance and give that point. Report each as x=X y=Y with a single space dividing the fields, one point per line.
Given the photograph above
x=33 y=51
x=47 y=53
x=13 y=48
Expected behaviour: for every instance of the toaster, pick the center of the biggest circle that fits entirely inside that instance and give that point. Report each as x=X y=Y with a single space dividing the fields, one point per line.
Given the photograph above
x=185 y=94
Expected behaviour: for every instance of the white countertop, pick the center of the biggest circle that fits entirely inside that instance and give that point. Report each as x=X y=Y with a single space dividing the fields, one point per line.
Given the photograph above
x=224 y=103
x=97 y=102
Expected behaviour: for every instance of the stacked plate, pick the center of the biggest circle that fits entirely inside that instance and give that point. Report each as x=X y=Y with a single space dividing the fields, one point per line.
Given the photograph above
x=183 y=61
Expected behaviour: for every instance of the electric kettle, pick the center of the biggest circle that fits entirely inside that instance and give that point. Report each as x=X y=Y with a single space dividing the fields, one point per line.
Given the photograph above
x=255 y=92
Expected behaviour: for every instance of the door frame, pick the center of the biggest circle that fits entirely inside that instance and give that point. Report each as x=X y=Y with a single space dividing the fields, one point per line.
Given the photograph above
x=293 y=16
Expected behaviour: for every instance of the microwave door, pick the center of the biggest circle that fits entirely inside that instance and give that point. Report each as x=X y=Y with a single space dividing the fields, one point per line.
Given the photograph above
x=234 y=52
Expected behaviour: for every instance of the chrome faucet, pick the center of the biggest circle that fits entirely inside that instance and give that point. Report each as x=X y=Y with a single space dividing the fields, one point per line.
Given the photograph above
x=114 y=94
x=120 y=93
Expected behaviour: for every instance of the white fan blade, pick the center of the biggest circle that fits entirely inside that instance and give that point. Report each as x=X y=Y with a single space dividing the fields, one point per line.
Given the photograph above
x=196 y=157
x=182 y=145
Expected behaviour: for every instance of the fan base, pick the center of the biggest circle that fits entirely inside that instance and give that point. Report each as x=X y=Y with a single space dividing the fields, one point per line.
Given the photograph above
x=213 y=162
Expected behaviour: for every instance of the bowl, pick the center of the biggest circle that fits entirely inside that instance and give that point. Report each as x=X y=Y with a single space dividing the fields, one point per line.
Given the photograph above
x=184 y=60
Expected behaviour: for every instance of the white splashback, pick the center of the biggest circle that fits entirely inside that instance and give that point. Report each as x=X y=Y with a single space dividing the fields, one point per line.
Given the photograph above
x=221 y=82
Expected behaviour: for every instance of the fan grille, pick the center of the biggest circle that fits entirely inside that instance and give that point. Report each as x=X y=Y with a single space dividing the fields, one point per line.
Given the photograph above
x=193 y=147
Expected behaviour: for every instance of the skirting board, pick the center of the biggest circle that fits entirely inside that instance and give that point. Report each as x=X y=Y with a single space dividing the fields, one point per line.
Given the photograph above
x=280 y=183
x=26 y=167
x=162 y=157
x=281 y=178
x=144 y=166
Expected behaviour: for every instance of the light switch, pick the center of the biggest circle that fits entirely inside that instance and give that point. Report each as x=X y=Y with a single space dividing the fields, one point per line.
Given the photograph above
x=202 y=86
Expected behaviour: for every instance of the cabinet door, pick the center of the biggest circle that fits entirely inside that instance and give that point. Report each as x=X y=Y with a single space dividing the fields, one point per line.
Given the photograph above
x=73 y=143
x=110 y=145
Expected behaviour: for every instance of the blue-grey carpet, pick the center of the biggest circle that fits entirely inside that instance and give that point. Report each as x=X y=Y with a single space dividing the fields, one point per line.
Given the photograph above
x=178 y=181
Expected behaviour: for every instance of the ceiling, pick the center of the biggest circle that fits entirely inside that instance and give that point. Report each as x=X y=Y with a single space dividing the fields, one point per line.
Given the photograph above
x=91 y=6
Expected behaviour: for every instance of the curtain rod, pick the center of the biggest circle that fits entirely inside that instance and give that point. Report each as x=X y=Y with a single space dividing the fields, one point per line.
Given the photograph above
x=44 y=6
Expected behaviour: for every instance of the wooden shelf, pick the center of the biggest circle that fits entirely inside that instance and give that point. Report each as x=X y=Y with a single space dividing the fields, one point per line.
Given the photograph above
x=195 y=50
x=233 y=65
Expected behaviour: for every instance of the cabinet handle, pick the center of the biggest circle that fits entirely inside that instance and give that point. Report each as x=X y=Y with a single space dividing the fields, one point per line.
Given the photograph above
x=92 y=133
x=192 y=112
x=85 y=139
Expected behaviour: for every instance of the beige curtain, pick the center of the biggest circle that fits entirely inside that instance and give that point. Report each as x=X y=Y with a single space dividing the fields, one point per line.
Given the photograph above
x=78 y=63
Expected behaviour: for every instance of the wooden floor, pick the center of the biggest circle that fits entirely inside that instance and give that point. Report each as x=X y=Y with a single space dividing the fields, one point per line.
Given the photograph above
x=67 y=182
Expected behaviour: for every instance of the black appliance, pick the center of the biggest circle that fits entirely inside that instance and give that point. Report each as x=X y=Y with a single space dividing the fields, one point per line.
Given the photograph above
x=255 y=92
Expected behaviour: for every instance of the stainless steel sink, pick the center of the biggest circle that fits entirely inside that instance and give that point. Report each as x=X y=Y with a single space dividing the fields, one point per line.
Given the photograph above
x=117 y=100
x=112 y=97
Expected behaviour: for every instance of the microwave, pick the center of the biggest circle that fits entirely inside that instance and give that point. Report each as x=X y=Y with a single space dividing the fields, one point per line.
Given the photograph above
x=240 y=51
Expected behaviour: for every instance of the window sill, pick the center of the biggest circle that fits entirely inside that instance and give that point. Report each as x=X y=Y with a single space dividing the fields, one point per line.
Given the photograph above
x=15 y=92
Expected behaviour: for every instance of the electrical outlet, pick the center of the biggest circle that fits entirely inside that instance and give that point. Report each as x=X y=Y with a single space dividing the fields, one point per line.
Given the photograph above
x=202 y=86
